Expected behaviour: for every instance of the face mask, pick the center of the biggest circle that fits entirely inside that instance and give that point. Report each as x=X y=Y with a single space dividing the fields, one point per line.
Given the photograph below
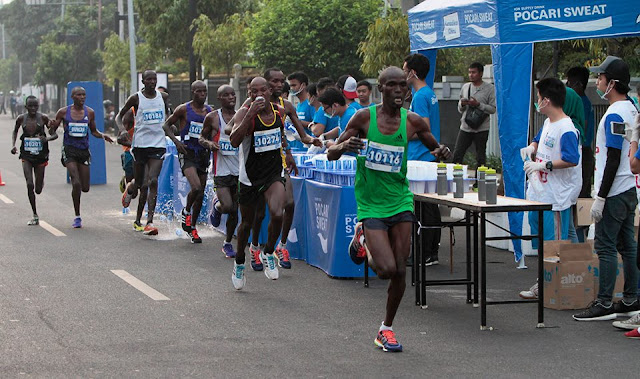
x=540 y=107
x=296 y=93
x=603 y=95
x=333 y=113
x=410 y=76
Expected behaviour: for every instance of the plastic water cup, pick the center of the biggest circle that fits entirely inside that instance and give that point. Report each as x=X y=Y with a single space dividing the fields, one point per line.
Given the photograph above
x=179 y=232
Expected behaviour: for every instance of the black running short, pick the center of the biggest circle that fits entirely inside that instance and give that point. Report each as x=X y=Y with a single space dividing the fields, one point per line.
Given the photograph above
x=251 y=194
x=388 y=222
x=200 y=160
x=141 y=155
x=73 y=154
x=226 y=181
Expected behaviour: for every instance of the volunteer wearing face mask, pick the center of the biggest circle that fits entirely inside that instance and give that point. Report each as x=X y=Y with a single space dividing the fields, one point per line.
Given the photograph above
x=334 y=104
x=554 y=177
x=614 y=207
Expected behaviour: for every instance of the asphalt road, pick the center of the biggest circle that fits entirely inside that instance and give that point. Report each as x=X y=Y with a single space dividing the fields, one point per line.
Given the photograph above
x=64 y=313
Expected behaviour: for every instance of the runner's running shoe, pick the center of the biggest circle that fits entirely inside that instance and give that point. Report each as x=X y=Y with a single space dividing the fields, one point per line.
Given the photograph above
x=77 y=222
x=357 y=251
x=283 y=257
x=186 y=221
x=270 y=268
x=150 y=230
x=195 y=238
x=386 y=340
x=34 y=221
x=237 y=277
x=126 y=197
x=138 y=227
x=216 y=216
x=256 y=263
x=227 y=250
x=123 y=183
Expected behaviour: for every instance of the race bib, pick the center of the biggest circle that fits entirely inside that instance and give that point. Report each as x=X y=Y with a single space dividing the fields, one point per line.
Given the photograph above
x=386 y=158
x=195 y=129
x=225 y=146
x=33 y=145
x=267 y=140
x=78 y=129
x=153 y=116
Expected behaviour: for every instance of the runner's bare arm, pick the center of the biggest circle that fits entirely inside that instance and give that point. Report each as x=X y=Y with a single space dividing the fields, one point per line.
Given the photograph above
x=177 y=117
x=92 y=126
x=241 y=129
x=349 y=140
x=52 y=133
x=14 y=135
x=132 y=101
x=209 y=129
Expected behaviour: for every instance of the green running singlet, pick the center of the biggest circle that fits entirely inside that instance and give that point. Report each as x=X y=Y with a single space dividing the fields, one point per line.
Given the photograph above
x=381 y=187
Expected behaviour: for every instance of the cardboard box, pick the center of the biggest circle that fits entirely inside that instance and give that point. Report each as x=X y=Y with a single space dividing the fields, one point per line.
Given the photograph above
x=619 y=287
x=583 y=212
x=569 y=275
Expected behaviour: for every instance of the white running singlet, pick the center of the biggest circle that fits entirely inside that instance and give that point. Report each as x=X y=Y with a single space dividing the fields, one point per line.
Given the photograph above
x=150 y=116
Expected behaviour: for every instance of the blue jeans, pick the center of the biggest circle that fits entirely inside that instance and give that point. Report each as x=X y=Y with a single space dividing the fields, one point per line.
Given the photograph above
x=553 y=230
x=572 y=235
x=616 y=230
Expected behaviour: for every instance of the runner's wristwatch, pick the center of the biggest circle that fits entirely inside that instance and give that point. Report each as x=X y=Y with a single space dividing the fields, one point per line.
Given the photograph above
x=549 y=165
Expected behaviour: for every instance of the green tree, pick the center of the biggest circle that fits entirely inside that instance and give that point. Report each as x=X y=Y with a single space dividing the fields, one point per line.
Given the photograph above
x=164 y=24
x=387 y=43
x=52 y=64
x=8 y=74
x=320 y=37
x=221 y=46
x=116 y=60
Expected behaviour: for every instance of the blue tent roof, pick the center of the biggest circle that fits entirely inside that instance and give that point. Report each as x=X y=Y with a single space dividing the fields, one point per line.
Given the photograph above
x=437 y=24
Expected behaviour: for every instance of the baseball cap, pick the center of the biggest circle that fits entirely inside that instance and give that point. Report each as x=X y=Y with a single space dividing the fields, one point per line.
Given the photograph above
x=615 y=68
x=350 y=87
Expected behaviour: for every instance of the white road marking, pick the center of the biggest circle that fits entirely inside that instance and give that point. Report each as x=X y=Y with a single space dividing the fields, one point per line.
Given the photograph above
x=139 y=285
x=5 y=199
x=46 y=226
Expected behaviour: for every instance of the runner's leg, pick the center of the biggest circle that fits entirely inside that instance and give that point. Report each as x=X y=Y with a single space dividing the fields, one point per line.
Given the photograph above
x=275 y=198
x=197 y=205
x=257 y=222
x=38 y=172
x=289 y=209
x=154 y=165
x=247 y=212
x=27 y=168
x=228 y=204
x=76 y=185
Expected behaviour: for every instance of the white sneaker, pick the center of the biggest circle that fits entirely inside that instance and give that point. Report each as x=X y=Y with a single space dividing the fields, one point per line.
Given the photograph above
x=630 y=324
x=270 y=265
x=237 y=277
x=532 y=293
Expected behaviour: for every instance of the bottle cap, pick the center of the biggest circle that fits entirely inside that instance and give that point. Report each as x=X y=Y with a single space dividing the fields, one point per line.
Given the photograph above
x=491 y=171
x=442 y=165
x=457 y=167
x=482 y=168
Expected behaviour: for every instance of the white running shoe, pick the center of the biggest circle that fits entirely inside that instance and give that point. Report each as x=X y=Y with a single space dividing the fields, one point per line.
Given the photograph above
x=630 y=324
x=237 y=277
x=532 y=293
x=270 y=265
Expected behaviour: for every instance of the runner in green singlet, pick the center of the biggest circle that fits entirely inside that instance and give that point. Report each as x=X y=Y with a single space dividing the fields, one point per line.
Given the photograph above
x=385 y=203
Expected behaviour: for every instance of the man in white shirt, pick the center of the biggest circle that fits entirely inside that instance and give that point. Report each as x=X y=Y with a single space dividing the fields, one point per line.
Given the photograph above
x=554 y=176
x=615 y=202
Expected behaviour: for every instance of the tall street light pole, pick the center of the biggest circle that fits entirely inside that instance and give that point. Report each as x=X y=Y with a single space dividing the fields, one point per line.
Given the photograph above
x=132 y=48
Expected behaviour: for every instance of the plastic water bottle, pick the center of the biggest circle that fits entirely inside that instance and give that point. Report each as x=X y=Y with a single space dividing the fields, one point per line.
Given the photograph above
x=492 y=190
x=482 y=189
x=441 y=179
x=458 y=182
x=125 y=210
x=179 y=232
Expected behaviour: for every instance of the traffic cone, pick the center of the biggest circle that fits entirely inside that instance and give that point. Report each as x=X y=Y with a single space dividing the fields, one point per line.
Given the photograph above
x=1 y=182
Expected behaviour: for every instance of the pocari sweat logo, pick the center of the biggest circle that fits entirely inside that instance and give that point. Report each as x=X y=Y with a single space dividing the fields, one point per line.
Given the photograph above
x=570 y=18
x=322 y=222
